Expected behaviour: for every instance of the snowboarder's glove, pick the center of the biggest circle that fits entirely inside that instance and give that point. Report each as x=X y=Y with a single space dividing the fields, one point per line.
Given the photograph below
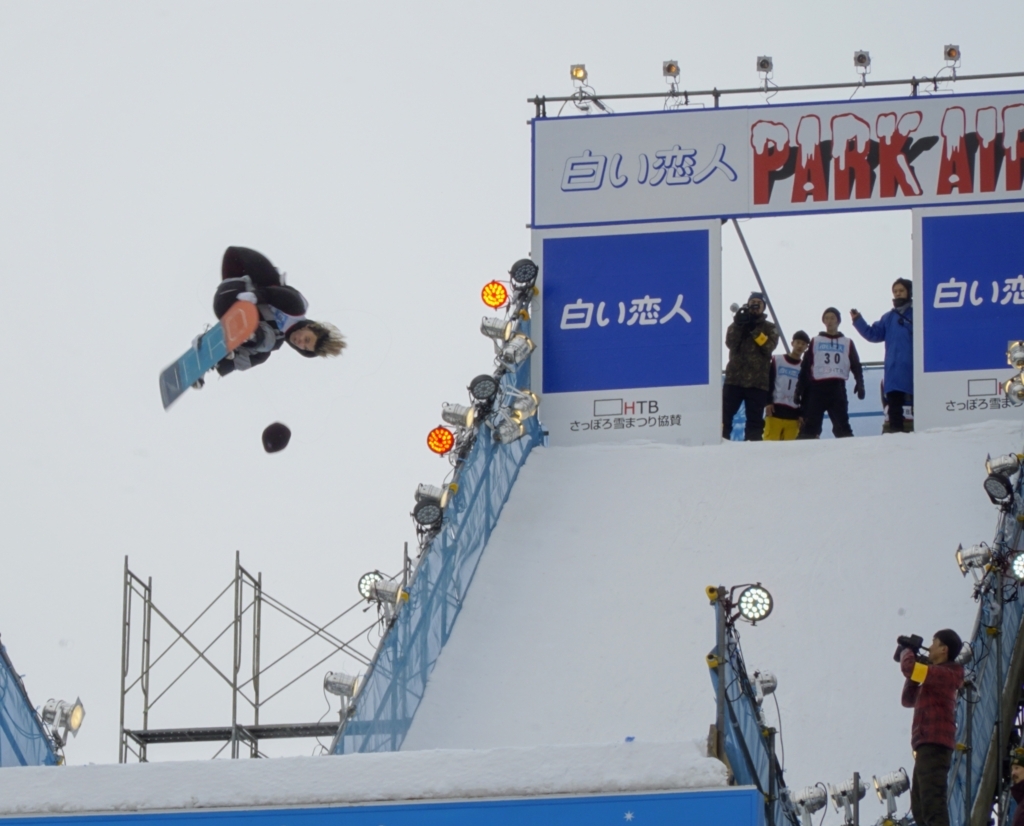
x=247 y=296
x=858 y=388
x=197 y=342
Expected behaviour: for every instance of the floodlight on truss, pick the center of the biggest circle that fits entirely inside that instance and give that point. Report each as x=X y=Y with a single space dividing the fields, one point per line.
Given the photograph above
x=494 y=294
x=524 y=404
x=366 y=583
x=340 y=684
x=508 y=430
x=430 y=504
x=807 y=801
x=765 y=65
x=440 y=440
x=754 y=603
x=890 y=786
x=1014 y=390
x=516 y=350
x=670 y=69
x=765 y=683
x=1015 y=354
x=388 y=592
x=951 y=54
x=1017 y=566
x=523 y=274
x=499 y=329
x=60 y=714
x=578 y=72
x=862 y=61
x=484 y=388
x=843 y=795
x=458 y=414
x=973 y=558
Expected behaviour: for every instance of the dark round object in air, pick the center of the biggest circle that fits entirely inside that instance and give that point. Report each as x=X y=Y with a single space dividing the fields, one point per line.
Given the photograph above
x=276 y=437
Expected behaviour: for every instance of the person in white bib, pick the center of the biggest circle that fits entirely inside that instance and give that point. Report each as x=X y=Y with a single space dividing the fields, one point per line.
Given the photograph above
x=782 y=414
x=826 y=367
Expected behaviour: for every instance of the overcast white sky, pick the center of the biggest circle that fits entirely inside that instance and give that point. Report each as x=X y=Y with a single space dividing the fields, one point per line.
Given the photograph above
x=378 y=153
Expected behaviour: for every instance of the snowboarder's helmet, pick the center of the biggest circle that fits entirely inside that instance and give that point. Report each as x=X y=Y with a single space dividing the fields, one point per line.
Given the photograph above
x=276 y=437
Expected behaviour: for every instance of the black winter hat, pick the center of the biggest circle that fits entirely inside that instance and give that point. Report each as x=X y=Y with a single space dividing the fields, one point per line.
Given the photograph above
x=276 y=437
x=839 y=315
x=758 y=296
x=951 y=639
x=908 y=285
x=800 y=335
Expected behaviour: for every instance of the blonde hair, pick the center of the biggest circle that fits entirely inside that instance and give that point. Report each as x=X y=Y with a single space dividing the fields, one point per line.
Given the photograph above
x=329 y=340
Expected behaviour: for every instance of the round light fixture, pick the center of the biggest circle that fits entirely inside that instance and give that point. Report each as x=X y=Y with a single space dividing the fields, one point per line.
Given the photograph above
x=523 y=274
x=366 y=583
x=440 y=440
x=494 y=295
x=483 y=388
x=755 y=603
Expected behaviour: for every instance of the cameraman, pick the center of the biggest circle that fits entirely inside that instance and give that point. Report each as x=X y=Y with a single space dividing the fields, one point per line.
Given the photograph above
x=930 y=690
x=751 y=339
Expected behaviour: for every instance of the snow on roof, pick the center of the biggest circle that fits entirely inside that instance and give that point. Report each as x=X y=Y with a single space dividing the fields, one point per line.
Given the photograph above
x=587 y=619
x=358 y=778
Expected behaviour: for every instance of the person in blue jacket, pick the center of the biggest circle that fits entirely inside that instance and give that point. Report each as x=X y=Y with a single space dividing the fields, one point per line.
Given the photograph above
x=896 y=329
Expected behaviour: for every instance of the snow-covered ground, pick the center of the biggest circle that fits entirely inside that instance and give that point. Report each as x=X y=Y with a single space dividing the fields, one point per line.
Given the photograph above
x=359 y=778
x=587 y=620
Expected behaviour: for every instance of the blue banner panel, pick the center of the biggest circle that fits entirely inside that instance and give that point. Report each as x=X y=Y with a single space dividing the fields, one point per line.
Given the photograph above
x=973 y=277
x=737 y=807
x=625 y=311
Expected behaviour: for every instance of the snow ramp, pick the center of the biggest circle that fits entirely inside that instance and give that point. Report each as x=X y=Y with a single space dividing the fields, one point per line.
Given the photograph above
x=587 y=620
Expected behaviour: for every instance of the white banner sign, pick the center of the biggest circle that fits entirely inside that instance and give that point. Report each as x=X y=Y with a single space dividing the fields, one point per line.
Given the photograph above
x=898 y=153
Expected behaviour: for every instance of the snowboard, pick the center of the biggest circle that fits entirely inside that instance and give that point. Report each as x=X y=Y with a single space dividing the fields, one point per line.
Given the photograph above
x=236 y=325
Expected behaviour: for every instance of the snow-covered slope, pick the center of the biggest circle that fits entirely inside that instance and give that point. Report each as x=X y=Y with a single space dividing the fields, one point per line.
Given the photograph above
x=587 y=620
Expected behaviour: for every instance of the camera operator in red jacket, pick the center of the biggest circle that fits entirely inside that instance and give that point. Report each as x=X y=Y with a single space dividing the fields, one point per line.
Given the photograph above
x=930 y=690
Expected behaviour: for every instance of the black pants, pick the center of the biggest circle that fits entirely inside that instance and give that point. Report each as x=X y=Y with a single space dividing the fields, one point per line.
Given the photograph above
x=239 y=261
x=895 y=400
x=823 y=397
x=754 y=399
x=928 y=789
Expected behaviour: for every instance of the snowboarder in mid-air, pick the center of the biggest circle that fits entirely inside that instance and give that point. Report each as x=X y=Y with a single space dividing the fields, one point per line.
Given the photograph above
x=247 y=275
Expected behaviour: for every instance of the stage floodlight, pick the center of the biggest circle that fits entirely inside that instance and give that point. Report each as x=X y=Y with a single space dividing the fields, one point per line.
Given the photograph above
x=578 y=72
x=60 y=714
x=977 y=557
x=1014 y=390
x=523 y=274
x=388 y=592
x=765 y=683
x=890 y=786
x=494 y=294
x=1017 y=566
x=366 y=583
x=428 y=510
x=998 y=488
x=966 y=654
x=524 y=405
x=499 y=329
x=458 y=414
x=670 y=69
x=1004 y=465
x=842 y=795
x=340 y=684
x=862 y=60
x=951 y=53
x=508 y=431
x=807 y=801
x=516 y=350
x=484 y=388
x=1015 y=354
x=765 y=65
x=755 y=603
x=440 y=440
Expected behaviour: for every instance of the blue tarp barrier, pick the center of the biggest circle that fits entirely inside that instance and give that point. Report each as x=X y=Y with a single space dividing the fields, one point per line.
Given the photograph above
x=22 y=739
x=394 y=687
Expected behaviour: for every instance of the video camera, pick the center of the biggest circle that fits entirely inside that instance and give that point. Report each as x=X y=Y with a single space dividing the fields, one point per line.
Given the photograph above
x=913 y=642
x=744 y=316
